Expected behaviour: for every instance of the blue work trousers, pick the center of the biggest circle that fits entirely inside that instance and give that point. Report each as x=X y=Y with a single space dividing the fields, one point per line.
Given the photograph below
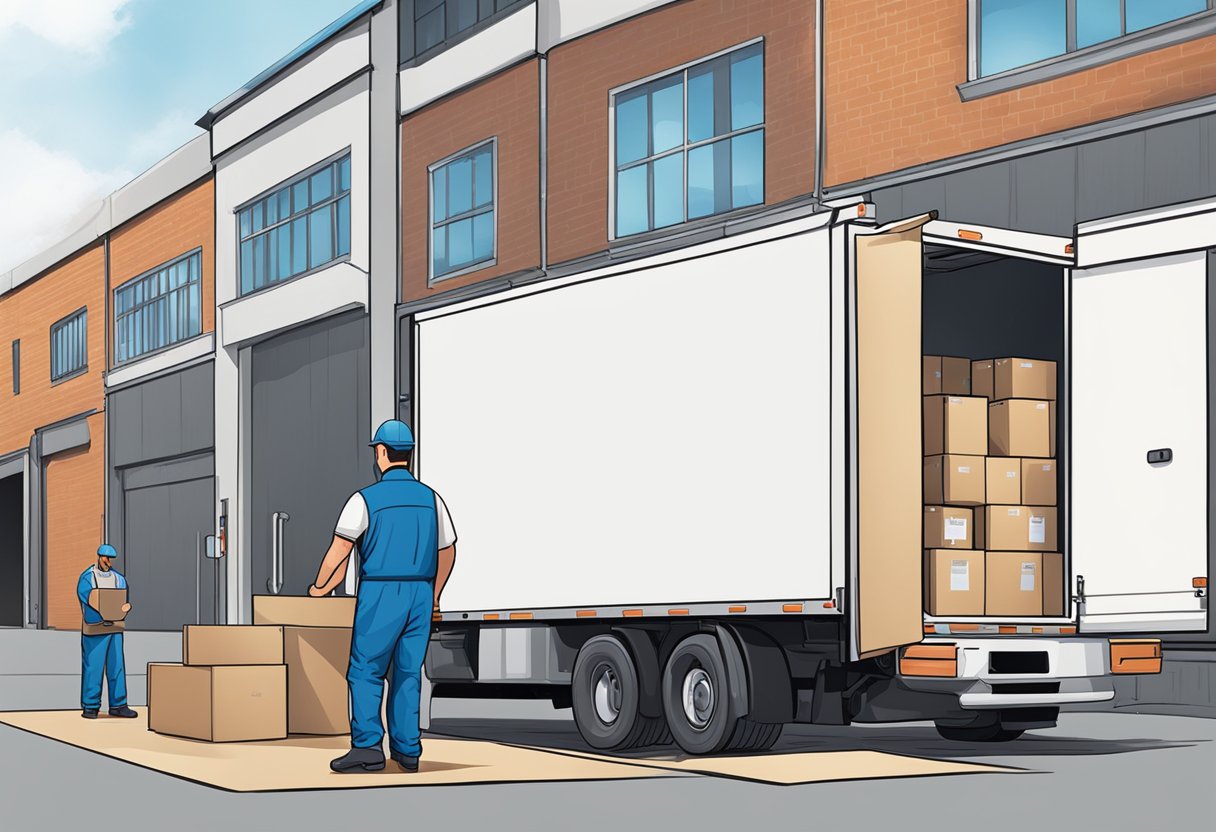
x=392 y=627
x=102 y=654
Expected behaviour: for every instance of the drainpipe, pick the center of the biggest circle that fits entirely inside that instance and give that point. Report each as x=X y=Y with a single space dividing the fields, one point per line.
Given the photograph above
x=819 y=108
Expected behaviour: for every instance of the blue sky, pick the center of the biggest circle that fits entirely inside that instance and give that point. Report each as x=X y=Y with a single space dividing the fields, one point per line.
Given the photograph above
x=92 y=92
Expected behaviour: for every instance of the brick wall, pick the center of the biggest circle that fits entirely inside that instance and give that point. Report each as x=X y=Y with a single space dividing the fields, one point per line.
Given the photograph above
x=74 y=506
x=891 y=70
x=582 y=72
x=506 y=106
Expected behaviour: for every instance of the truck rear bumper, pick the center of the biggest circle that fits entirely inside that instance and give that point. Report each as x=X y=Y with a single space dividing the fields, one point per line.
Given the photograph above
x=982 y=701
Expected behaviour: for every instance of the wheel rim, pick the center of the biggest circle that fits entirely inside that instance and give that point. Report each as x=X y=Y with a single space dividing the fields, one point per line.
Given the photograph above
x=699 y=698
x=607 y=696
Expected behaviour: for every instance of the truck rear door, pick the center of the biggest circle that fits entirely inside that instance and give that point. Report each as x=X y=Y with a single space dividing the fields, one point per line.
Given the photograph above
x=1139 y=434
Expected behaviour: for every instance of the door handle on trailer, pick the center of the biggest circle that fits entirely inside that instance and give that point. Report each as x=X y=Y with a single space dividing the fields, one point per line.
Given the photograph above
x=274 y=583
x=1160 y=455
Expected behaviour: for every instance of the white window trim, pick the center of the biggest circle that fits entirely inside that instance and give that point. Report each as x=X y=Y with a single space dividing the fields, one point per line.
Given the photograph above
x=612 y=96
x=431 y=277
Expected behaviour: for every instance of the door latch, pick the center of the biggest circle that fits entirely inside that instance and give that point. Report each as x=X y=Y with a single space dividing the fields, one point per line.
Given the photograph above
x=1160 y=455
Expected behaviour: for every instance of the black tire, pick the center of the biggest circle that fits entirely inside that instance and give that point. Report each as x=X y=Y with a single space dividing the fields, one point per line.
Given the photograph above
x=605 y=661
x=983 y=733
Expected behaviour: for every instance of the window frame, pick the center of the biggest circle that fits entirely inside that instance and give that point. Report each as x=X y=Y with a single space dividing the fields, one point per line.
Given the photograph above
x=82 y=312
x=685 y=147
x=406 y=12
x=287 y=184
x=432 y=278
x=127 y=284
x=16 y=366
x=1192 y=26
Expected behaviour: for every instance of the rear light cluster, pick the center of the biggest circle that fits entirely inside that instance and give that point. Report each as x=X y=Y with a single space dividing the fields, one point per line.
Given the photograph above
x=940 y=660
x=1135 y=655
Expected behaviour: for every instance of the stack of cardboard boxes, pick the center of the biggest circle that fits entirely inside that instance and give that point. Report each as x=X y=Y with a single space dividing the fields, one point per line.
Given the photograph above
x=990 y=488
x=284 y=674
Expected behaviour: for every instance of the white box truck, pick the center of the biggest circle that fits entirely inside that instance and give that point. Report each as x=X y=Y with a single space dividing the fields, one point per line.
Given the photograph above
x=688 y=488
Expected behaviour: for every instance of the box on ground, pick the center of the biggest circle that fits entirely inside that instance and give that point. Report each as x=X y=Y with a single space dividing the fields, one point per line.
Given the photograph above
x=946 y=374
x=233 y=703
x=1019 y=529
x=1038 y=482
x=317 y=659
x=1023 y=378
x=1003 y=479
x=109 y=603
x=1024 y=583
x=304 y=611
x=954 y=479
x=955 y=425
x=954 y=582
x=231 y=644
x=948 y=527
x=1019 y=427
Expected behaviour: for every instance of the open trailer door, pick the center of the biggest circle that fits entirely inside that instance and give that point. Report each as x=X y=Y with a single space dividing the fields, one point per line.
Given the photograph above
x=885 y=293
x=1139 y=433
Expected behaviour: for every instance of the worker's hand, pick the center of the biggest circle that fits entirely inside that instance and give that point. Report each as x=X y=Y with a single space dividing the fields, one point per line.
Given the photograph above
x=316 y=591
x=125 y=608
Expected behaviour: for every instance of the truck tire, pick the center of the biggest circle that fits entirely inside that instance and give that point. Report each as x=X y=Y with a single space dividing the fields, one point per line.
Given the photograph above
x=605 y=693
x=982 y=733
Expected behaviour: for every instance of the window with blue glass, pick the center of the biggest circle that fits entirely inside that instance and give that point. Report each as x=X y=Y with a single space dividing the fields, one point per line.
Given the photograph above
x=158 y=309
x=69 y=345
x=463 y=198
x=689 y=144
x=434 y=25
x=302 y=225
x=1014 y=33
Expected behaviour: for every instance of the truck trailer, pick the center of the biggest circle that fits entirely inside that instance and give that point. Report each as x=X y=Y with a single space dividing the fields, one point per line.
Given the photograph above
x=688 y=488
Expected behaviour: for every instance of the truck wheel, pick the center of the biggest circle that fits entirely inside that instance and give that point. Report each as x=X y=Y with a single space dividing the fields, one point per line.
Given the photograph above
x=604 y=689
x=983 y=733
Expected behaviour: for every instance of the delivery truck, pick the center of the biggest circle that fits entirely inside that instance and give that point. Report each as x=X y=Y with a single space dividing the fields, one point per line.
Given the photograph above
x=689 y=488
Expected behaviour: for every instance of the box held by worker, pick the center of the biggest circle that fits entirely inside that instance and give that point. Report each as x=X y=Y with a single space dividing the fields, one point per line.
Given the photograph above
x=1003 y=480
x=317 y=659
x=954 y=479
x=109 y=603
x=232 y=703
x=948 y=527
x=955 y=425
x=1022 y=378
x=1019 y=529
x=1038 y=482
x=231 y=644
x=954 y=582
x=1019 y=427
x=304 y=611
x=946 y=374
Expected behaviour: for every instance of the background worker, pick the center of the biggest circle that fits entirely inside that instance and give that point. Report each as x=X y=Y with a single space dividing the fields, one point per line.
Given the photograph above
x=101 y=641
x=407 y=549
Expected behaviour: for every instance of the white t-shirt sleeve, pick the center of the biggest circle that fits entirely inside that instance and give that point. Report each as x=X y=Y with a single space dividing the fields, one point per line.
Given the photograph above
x=447 y=532
x=352 y=522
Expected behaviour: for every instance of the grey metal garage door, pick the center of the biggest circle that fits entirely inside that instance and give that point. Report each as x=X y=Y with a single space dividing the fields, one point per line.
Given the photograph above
x=310 y=415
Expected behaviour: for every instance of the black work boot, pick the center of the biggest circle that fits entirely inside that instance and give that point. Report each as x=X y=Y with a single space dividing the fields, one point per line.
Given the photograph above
x=359 y=759
x=124 y=712
x=88 y=714
x=407 y=763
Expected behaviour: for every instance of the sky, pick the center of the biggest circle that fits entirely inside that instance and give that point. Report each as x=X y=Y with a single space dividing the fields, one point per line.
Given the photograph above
x=94 y=92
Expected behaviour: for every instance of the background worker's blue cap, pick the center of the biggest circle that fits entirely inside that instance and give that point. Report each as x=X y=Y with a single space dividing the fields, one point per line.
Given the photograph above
x=105 y=550
x=394 y=434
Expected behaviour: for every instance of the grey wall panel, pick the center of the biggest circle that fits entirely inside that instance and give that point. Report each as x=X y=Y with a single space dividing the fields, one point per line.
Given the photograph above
x=65 y=437
x=1045 y=192
x=1207 y=147
x=919 y=197
x=981 y=195
x=200 y=466
x=162 y=403
x=1110 y=177
x=198 y=408
x=167 y=416
x=125 y=426
x=1173 y=163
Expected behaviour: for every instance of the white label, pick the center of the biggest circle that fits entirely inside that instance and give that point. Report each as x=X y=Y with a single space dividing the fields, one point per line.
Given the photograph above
x=954 y=400
x=954 y=528
x=1040 y=407
x=1026 y=364
x=1028 y=571
x=1038 y=529
x=1046 y=467
x=964 y=469
x=1015 y=512
x=937 y=373
x=960 y=576
x=1011 y=474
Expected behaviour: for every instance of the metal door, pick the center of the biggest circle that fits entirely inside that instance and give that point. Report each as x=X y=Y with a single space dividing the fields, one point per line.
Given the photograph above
x=12 y=550
x=309 y=434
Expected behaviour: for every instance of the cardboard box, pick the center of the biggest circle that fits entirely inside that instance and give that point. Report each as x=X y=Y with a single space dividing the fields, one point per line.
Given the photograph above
x=955 y=425
x=1019 y=529
x=1024 y=583
x=1003 y=479
x=954 y=479
x=1022 y=378
x=1019 y=427
x=954 y=582
x=948 y=527
x=1055 y=584
x=109 y=603
x=234 y=703
x=1038 y=482
x=981 y=379
x=945 y=374
x=317 y=698
x=1051 y=410
x=304 y=611
x=235 y=644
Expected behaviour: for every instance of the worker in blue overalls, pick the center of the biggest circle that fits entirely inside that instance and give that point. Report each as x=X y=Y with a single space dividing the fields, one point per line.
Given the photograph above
x=407 y=548
x=101 y=641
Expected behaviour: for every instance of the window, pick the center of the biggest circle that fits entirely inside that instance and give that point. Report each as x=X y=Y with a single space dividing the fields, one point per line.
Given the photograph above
x=17 y=367
x=463 y=197
x=159 y=308
x=437 y=24
x=300 y=226
x=1014 y=33
x=671 y=166
x=69 y=346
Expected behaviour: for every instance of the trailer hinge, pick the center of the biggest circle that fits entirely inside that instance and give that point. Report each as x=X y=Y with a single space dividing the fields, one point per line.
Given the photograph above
x=1079 y=598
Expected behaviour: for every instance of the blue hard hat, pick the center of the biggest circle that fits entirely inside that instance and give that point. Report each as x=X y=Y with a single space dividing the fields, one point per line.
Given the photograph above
x=394 y=434
x=105 y=550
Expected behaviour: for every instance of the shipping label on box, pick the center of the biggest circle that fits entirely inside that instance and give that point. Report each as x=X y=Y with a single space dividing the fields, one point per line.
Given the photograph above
x=1020 y=528
x=954 y=479
x=1003 y=480
x=954 y=582
x=955 y=425
x=1022 y=378
x=947 y=527
x=1019 y=427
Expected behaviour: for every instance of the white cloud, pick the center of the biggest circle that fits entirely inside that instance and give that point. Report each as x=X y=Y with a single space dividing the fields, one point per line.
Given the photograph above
x=79 y=25
x=47 y=194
